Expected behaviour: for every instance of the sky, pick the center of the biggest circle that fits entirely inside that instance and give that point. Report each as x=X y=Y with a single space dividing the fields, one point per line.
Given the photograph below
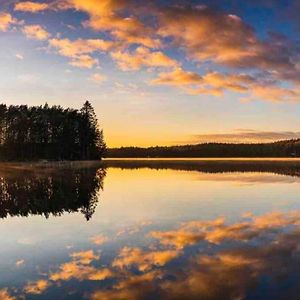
x=159 y=72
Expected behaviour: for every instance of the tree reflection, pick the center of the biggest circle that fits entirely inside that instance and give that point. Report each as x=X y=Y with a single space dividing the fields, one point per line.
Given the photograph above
x=284 y=167
x=50 y=192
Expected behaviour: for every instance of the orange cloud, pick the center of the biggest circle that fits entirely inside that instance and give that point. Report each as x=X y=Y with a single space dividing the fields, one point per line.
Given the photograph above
x=274 y=93
x=6 y=20
x=99 y=239
x=211 y=35
x=215 y=83
x=84 y=61
x=4 y=295
x=98 y=78
x=132 y=287
x=70 y=48
x=29 y=6
x=75 y=270
x=104 y=16
x=142 y=56
x=36 y=32
x=36 y=287
x=85 y=257
x=211 y=83
x=178 y=77
x=247 y=135
x=80 y=50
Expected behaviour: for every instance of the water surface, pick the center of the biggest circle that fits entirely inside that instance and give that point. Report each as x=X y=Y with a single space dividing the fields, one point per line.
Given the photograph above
x=151 y=230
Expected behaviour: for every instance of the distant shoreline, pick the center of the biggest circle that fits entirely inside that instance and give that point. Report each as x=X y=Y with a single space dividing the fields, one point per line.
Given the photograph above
x=113 y=162
x=288 y=158
x=284 y=149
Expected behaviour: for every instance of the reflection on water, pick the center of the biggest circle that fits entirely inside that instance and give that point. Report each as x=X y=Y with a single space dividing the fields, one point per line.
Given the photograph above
x=26 y=193
x=159 y=232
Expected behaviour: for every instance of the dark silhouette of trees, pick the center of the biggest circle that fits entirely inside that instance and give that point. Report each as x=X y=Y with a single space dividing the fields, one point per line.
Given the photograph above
x=289 y=148
x=52 y=133
x=50 y=192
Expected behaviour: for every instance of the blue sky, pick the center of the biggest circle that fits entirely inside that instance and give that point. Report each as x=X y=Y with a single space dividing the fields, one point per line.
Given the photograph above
x=165 y=72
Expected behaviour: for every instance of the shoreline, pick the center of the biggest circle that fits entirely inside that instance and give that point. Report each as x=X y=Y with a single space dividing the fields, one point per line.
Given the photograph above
x=201 y=159
x=113 y=162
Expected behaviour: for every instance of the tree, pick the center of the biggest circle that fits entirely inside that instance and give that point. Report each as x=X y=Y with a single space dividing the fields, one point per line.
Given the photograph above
x=92 y=140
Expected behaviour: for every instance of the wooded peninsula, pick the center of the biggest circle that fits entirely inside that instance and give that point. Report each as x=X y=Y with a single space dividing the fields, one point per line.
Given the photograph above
x=50 y=133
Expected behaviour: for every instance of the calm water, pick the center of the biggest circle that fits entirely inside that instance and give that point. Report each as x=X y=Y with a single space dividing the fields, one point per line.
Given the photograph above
x=151 y=230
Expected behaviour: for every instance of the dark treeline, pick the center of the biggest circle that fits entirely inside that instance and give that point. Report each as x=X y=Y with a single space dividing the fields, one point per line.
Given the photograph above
x=289 y=148
x=25 y=193
x=51 y=133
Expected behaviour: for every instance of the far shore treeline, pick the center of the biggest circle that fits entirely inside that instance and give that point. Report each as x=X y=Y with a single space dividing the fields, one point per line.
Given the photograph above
x=288 y=148
x=50 y=133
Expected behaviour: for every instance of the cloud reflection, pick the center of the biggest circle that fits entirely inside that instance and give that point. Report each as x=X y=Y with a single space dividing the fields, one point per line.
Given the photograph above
x=201 y=259
x=37 y=287
x=4 y=295
x=80 y=268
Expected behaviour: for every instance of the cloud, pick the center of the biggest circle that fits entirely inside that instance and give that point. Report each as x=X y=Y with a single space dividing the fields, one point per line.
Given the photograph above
x=36 y=32
x=29 y=6
x=20 y=262
x=212 y=35
x=4 y=295
x=37 y=7
x=75 y=270
x=246 y=135
x=274 y=93
x=178 y=77
x=80 y=50
x=213 y=83
x=98 y=78
x=77 y=47
x=85 y=257
x=36 y=287
x=6 y=20
x=142 y=56
x=99 y=239
x=106 y=16
x=202 y=34
x=19 y=56
x=84 y=61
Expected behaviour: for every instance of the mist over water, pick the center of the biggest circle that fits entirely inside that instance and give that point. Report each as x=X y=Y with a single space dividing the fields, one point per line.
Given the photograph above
x=151 y=230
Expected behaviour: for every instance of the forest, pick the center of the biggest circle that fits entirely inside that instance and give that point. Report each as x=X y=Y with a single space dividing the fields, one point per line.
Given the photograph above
x=288 y=148
x=50 y=133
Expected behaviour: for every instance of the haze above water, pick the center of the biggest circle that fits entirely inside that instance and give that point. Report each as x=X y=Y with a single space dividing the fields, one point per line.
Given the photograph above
x=151 y=230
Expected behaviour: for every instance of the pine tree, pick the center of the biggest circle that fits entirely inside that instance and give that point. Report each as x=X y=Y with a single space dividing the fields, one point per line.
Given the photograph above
x=93 y=145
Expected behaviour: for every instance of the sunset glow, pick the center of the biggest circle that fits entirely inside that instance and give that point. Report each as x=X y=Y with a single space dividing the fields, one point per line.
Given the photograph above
x=158 y=72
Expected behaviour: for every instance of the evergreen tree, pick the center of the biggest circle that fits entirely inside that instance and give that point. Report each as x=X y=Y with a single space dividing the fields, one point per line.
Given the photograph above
x=93 y=145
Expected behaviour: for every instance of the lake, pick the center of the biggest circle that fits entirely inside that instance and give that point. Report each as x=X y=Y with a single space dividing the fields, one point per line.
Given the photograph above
x=151 y=229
